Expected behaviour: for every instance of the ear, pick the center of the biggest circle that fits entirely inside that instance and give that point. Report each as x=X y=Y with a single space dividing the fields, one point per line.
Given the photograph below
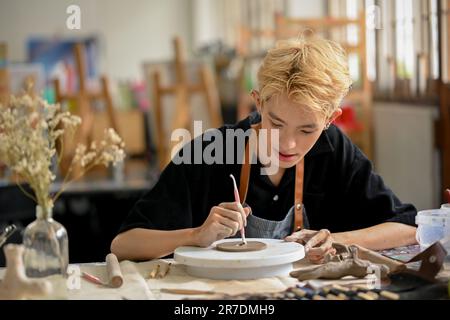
x=336 y=114
x=257 y=99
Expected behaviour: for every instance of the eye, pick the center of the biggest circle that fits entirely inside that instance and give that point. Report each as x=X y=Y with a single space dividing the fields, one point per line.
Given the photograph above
x=276 y=125
x=307 y=132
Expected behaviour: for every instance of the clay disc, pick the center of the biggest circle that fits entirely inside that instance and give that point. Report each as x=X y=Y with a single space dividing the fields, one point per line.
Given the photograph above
x=237 y=246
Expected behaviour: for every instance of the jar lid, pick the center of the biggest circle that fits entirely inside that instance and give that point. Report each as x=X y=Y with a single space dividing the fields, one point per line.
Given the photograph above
x=434 y=217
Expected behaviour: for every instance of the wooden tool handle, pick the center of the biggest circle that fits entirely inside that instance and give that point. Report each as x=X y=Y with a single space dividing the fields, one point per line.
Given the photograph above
x=187 y=291
x=114 y=273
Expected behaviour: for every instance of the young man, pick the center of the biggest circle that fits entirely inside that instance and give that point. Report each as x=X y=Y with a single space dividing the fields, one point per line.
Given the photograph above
x=323 y=190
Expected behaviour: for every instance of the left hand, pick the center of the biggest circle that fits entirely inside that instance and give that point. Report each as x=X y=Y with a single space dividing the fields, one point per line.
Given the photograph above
x=318 y=244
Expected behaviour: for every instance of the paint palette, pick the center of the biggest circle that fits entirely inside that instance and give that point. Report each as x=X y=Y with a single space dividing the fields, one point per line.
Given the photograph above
x=275 y=260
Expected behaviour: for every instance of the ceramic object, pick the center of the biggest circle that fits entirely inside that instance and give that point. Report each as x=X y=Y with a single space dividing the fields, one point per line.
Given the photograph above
x=239 y=246
x=275 y=260
x=15 y=284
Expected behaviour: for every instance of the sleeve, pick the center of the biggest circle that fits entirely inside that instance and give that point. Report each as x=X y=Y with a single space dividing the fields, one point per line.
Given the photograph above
x=373 y=202
x=167 y=206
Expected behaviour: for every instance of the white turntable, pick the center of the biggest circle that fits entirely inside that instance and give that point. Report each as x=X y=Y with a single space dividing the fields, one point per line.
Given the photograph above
x=276 y=259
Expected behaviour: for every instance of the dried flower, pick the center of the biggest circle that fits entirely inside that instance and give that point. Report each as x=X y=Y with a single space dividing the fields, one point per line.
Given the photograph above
x=29 y=131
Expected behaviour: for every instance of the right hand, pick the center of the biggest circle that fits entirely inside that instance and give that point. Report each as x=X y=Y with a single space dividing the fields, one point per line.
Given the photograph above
x=223 y=221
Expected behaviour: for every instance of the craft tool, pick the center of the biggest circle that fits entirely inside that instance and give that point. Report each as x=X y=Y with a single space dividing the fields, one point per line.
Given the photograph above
x=91 y=278
x=186 y=291
x=154 y=272
x=166 y=272
x=115 y=276
x=7 y=232
x=238 y=200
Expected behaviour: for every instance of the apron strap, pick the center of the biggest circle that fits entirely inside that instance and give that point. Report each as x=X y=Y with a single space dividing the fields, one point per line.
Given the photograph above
x=298 y=194
x=246 y=166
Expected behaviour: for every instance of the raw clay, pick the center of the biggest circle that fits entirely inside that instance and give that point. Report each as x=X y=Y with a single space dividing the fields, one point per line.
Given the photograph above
x=238 y=246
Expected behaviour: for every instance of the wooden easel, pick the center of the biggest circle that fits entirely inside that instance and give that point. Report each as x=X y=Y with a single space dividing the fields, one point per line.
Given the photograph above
x=362 y=95
x=4 y=85
x=183 y=90
x=4 y=76
x=248 y=54
x=84 y=98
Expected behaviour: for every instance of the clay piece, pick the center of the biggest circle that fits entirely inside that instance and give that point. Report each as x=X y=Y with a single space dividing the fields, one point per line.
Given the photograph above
x=348 y=261
x=15 y=284
x=239 y=246
x=336 y=270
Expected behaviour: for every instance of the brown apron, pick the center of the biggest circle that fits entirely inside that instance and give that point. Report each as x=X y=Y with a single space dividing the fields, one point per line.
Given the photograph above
x=298 y=195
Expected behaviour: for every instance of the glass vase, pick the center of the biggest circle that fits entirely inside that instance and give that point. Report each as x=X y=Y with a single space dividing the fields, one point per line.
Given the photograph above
x=46 y=247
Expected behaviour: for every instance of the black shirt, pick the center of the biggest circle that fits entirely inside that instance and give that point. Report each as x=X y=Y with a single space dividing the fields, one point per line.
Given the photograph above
x=341 y=190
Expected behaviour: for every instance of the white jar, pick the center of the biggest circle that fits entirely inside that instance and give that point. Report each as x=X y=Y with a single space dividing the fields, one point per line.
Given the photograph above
x=432 y=225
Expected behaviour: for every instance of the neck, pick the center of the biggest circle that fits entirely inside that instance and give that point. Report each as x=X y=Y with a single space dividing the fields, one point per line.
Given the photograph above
x=276 y=177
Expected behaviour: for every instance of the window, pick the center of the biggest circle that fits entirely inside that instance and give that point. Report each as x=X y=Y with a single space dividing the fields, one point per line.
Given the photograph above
x=402 y=47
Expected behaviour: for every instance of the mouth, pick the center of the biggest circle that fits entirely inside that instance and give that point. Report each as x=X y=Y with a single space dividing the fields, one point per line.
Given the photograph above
x=286 y=157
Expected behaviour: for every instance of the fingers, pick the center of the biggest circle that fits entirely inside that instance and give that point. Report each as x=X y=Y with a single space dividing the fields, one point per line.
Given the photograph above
x=321 y=258
x=301 y=236
x=319 y=246
x=318 y=239
x=236 y=207
x=223 y=231
x=247 y=209
x=233 y=225
x=323 y=249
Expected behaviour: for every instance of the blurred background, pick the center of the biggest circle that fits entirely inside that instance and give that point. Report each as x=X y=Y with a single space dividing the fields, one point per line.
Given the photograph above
x=146 y=67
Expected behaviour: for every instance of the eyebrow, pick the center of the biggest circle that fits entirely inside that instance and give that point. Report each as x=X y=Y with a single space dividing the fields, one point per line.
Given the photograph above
x=309 y=126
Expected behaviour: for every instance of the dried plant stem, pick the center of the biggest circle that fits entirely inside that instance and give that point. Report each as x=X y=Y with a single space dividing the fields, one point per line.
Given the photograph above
x=66 y=182
x=61 y=151
x=29 y=195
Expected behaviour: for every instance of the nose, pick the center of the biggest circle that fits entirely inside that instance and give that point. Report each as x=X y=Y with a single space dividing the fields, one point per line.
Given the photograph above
x=287 y=141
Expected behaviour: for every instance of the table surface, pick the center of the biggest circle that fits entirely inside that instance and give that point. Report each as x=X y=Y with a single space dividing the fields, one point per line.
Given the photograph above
x=139 y=285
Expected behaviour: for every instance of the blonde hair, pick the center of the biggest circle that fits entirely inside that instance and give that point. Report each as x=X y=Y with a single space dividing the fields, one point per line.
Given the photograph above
x=311 y=70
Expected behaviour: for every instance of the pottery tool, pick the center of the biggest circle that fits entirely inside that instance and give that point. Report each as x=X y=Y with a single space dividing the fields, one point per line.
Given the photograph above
x=7 y=232
x=238 y=200
x=187 y=291
x=113 y=269
x=154 y=272
x=275 y=260
x=166 y=272
x=240 y=246
x=158 y=272
x=92 y=279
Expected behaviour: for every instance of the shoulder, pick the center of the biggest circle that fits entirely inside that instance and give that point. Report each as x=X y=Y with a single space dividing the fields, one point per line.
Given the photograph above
x=343 y=147
x=337 y=151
